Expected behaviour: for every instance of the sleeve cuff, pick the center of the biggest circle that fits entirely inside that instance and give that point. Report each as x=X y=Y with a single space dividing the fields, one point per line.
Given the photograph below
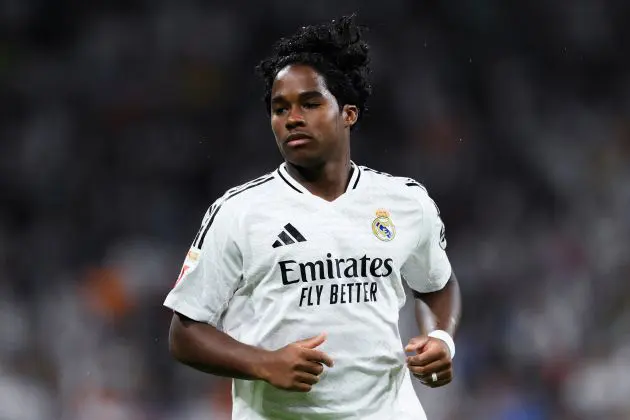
x=187 y=310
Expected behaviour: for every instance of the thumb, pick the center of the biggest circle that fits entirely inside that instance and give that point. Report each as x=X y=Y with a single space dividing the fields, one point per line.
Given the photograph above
x=312 y=342
x=416 y=343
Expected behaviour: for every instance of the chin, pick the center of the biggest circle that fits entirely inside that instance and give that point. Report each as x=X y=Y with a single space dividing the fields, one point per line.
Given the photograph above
x=304 y=158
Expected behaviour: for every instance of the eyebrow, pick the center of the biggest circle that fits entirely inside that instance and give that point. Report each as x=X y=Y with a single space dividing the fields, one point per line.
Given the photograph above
x=303 y=96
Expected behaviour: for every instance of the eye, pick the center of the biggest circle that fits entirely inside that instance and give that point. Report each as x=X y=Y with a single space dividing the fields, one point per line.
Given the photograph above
x=311 y=105
x=279 y=110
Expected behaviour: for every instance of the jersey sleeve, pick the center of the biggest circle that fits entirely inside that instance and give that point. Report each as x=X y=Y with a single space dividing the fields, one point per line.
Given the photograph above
x=212 y=269
x=427 y=269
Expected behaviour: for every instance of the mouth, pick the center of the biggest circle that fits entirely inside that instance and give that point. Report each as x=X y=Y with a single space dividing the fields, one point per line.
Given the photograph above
x=297 y=139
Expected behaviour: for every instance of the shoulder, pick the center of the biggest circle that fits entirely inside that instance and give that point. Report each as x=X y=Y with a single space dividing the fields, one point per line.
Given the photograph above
x=224 y=213
x=238 y=199
x=402 y=184
x=402 y=188
x=242 y=194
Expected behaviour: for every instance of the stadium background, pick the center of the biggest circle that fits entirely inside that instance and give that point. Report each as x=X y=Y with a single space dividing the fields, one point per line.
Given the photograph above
x=121 y=121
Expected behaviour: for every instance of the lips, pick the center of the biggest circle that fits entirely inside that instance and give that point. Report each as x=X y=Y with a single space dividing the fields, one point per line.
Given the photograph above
x=296 y=139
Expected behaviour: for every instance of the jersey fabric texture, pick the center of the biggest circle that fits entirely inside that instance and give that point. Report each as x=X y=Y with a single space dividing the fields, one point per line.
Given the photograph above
x=273 y=264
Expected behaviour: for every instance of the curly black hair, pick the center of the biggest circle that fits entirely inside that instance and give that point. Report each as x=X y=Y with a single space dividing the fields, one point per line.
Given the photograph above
x=335 y=50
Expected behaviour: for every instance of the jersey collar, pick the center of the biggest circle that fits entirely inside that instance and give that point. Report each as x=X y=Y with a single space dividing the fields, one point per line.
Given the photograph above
x=296 y=186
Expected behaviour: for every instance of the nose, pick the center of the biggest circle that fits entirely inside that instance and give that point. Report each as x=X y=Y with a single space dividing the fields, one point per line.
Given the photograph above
x=294 y=119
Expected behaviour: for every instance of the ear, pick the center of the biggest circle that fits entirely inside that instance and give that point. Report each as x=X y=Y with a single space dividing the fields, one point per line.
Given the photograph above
x=350 y=114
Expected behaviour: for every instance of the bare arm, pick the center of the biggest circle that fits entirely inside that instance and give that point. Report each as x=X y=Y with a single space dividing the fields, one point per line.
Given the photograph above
x=209 y=350
x=295 y=367
x=439 y=310
x=444 y=306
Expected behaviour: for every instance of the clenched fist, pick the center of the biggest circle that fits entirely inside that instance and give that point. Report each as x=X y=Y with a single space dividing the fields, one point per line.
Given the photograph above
x=432 y=362
x=297 y=366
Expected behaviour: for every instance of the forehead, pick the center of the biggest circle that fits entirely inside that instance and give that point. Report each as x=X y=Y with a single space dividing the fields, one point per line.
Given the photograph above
x=297 y=78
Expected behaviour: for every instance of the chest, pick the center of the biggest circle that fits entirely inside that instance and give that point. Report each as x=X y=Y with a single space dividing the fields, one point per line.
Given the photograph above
x=370 y=237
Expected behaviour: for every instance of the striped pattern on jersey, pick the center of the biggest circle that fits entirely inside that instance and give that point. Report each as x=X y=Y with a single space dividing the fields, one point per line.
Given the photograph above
x=216 y=206
x=410 y=182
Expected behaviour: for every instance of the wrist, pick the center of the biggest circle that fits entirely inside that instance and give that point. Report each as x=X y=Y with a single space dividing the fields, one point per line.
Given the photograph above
x=258 y=365
x=446 y=338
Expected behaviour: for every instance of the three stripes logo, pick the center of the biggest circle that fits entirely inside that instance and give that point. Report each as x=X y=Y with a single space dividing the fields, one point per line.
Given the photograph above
x=288 y=236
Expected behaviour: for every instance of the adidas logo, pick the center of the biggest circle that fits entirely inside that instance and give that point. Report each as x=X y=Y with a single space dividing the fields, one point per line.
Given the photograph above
x=288 y=236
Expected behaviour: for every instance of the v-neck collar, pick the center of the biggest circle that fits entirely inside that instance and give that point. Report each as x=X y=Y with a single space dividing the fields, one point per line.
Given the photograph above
x=291 y=182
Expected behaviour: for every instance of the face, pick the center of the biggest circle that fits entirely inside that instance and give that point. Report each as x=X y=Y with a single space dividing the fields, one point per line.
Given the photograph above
x=309 y=126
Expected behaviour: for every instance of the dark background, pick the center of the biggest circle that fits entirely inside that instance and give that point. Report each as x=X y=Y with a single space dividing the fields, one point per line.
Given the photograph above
x=121 y=121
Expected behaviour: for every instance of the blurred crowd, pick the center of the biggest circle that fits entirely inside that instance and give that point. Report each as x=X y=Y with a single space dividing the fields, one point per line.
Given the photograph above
x=120 y=122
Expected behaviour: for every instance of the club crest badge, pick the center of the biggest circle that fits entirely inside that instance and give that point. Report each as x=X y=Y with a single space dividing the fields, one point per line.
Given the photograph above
x=383 y=227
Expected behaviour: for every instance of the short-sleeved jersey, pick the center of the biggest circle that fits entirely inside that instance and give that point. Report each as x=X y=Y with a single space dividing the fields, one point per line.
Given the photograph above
x=273 y=264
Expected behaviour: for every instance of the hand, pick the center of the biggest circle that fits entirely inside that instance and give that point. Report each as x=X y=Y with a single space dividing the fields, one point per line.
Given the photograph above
x=297 y=366
x=432 y=356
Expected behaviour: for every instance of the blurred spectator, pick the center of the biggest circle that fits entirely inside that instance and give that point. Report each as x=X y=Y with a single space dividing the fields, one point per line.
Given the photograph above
x=122 y=121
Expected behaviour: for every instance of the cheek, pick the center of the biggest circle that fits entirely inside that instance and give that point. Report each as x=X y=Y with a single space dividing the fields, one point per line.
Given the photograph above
x=334 y=121
x=276 y=127
x=329 y=120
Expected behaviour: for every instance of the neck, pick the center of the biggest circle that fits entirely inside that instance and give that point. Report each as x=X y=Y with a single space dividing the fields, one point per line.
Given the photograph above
x=328 y=180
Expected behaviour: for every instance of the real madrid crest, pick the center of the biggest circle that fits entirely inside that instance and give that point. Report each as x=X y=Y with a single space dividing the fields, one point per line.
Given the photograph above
x=383 y=227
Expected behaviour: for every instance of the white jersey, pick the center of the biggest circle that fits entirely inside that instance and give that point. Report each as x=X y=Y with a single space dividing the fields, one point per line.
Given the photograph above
x=273 y=264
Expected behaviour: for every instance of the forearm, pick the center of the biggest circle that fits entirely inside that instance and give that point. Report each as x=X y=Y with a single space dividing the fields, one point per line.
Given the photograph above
x=209 y=350
x=445 y=307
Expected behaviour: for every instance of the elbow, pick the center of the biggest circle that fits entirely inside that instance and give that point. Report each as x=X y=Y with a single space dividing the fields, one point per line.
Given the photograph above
x=176 y=345
x=173 y=347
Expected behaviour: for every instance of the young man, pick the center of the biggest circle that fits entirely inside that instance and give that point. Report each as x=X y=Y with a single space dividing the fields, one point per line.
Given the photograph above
x=294 y=281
